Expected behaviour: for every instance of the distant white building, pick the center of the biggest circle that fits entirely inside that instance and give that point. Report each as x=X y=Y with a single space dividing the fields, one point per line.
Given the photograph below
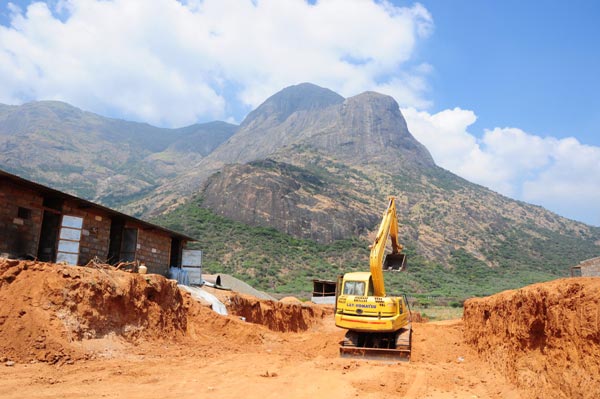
x=323 y=291
x=587 y=268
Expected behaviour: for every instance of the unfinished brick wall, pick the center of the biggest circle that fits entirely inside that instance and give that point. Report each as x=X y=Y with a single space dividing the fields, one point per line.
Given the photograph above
x=95 y=234
x=153 y=250
x=19 y=236
x=22 y=210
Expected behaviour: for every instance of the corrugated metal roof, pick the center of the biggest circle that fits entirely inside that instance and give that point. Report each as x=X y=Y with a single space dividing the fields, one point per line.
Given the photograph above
x=89 y=204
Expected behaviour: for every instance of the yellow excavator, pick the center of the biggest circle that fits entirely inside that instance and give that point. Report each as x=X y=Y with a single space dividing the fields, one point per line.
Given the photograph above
x=378 y=325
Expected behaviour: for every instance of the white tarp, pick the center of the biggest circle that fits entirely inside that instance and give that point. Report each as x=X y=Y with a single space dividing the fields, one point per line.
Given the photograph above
x=198 y=293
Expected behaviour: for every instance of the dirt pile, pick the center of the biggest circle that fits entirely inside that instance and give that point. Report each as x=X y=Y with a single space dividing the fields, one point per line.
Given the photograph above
x=544 y=337
x=52 y=313
x=417 y=317
x=46 y=308
x=278 y=316
x=140 y=336
x=290 y=299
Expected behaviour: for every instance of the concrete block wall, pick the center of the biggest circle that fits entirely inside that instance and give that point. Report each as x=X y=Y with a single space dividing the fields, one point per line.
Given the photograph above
x=19 y=236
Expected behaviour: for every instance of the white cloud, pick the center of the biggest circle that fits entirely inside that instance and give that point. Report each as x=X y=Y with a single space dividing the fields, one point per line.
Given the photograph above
x=562 y=175
x=172 y=63
x=571 y=182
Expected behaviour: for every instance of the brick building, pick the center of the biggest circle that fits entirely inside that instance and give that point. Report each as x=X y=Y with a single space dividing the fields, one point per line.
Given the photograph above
x=587 y=268
x=39 y=222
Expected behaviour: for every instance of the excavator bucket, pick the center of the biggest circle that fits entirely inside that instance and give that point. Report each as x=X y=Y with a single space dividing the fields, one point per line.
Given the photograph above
x=394 y=262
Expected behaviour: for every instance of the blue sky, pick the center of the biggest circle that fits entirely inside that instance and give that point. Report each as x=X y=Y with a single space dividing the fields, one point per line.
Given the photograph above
x=532 y=64
x=502 y=93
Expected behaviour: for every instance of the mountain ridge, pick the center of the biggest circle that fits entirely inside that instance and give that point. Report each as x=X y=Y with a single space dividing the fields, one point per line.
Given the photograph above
x=319 y=172
x=102 y=159
x=366 y=128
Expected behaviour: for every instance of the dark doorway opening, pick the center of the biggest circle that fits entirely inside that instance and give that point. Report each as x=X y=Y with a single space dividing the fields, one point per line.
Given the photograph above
x=48 y=236
x=129 y=244
x=175 y=252
x=53 y=203
x=116 y=237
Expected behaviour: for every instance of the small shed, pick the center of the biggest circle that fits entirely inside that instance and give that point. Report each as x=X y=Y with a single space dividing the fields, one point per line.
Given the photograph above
x=38 y=222
x=323 y=291
x=587 y=268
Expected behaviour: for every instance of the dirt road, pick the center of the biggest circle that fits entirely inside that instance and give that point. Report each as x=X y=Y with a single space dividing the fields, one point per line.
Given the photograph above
x=280 y=365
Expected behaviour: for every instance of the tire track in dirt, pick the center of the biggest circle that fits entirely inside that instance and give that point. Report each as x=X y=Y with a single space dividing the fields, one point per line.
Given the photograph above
x=417 y=387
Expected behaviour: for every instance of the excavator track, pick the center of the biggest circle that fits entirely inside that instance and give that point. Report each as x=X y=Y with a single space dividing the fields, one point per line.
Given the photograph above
x=376 y=346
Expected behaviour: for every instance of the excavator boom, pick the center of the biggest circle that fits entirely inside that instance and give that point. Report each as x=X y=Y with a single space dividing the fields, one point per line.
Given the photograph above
x=388 y=227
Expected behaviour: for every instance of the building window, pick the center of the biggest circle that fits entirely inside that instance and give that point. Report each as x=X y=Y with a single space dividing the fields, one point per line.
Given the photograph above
x=24 y=213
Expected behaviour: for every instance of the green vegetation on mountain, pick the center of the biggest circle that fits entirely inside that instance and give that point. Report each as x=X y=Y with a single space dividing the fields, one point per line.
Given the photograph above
x=279 y=263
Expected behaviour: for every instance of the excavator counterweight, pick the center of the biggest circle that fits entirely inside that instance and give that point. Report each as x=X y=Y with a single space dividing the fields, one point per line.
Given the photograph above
x=378 y=325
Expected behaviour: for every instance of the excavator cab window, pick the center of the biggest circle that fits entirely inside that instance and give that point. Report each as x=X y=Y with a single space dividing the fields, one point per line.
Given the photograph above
x=354 y=288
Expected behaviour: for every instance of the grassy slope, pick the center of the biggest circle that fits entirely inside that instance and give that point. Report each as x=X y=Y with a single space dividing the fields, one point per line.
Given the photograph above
x=279 y=263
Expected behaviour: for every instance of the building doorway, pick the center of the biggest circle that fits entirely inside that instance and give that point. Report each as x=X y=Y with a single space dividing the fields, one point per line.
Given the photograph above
x=48 y=236
x=116 y=237
x=175 y=252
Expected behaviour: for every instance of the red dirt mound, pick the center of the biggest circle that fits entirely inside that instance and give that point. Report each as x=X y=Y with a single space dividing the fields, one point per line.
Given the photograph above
x=205 y=327
x=46 y=307
x=51 y=313
x=417 y=317
x=290 y=299
x=277 y=316
x=544 y=337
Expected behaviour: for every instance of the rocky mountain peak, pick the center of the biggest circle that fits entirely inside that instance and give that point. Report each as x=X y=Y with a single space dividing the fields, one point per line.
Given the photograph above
x=365 y=128
x=301 y=97
x=368 y=128
x=372 y=102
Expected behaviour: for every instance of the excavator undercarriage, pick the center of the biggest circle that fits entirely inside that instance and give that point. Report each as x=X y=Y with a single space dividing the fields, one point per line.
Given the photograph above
x=395 y=346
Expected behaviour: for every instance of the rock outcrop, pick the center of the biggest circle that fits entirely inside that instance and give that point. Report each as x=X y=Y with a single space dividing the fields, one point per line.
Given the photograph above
x=288 y=198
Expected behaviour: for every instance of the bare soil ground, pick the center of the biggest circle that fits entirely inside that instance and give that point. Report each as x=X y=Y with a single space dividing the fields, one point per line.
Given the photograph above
x=545 y=337
x=76 y=332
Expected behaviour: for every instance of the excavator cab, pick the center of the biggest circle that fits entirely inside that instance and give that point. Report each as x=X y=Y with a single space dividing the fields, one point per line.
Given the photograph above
x=354 y=288
x=394 y=263
x=358 y=287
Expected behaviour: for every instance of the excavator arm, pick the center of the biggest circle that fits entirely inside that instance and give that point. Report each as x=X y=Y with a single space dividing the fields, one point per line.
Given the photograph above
x=395 y=260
